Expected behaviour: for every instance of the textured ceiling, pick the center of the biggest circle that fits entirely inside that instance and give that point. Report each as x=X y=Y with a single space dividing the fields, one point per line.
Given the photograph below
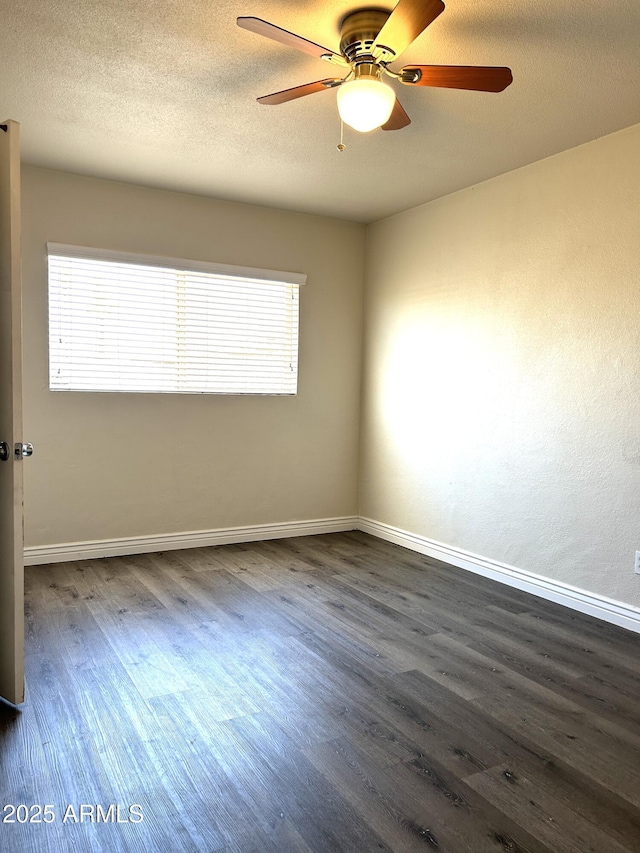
x=162 y=93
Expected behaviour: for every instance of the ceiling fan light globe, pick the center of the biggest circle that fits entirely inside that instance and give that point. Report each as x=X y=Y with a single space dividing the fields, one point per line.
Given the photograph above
x=365 y=104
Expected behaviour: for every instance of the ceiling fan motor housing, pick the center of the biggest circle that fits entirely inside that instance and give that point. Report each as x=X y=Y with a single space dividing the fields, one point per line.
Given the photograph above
x=358 y=33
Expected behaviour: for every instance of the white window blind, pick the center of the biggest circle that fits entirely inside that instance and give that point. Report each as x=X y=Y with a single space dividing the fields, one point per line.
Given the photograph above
x=123 y=322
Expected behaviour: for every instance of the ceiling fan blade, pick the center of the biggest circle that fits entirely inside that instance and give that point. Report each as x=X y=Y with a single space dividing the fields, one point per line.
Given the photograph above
x=264 y=28
x=476 y=77
x=298 y=91
x=406 y=22
x=398 y=118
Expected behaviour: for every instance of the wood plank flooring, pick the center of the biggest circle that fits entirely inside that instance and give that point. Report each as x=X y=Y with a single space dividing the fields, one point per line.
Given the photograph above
x=317 y=695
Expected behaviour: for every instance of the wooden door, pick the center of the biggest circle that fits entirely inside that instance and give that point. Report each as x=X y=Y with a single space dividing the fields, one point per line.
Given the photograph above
x=11 y=505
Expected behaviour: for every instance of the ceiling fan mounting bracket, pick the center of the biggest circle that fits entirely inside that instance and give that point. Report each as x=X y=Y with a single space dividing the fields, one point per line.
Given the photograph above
x=334 y=59
x=408 y=75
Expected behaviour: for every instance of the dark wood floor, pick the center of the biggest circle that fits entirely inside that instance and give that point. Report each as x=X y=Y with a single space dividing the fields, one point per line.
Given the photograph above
x=329 y=693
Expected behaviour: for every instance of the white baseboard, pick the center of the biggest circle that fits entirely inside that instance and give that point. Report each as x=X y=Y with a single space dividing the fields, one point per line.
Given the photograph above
x=599 y=606
x=70 y=551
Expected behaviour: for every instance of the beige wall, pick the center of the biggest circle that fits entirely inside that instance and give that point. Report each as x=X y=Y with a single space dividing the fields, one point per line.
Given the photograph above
x=502 y=354
x=502 y=383
x=118 y=465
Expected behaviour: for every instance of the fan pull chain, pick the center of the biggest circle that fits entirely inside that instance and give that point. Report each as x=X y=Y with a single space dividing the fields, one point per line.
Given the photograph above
x=341 y=146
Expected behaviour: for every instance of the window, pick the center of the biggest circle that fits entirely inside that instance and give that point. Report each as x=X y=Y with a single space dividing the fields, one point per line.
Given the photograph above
x=123 y=322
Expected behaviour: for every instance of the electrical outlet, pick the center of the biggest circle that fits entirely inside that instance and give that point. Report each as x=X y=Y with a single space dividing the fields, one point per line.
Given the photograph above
x=638 y=562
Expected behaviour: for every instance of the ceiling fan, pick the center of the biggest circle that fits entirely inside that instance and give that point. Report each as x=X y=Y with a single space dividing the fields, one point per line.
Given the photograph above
x=370 y=40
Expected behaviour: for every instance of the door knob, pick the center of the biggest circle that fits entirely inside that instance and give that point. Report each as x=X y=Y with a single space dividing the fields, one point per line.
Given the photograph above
x=22 y=450
x=4 y=451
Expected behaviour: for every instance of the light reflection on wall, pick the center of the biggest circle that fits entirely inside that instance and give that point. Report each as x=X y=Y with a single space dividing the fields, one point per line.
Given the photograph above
x=438 y=387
